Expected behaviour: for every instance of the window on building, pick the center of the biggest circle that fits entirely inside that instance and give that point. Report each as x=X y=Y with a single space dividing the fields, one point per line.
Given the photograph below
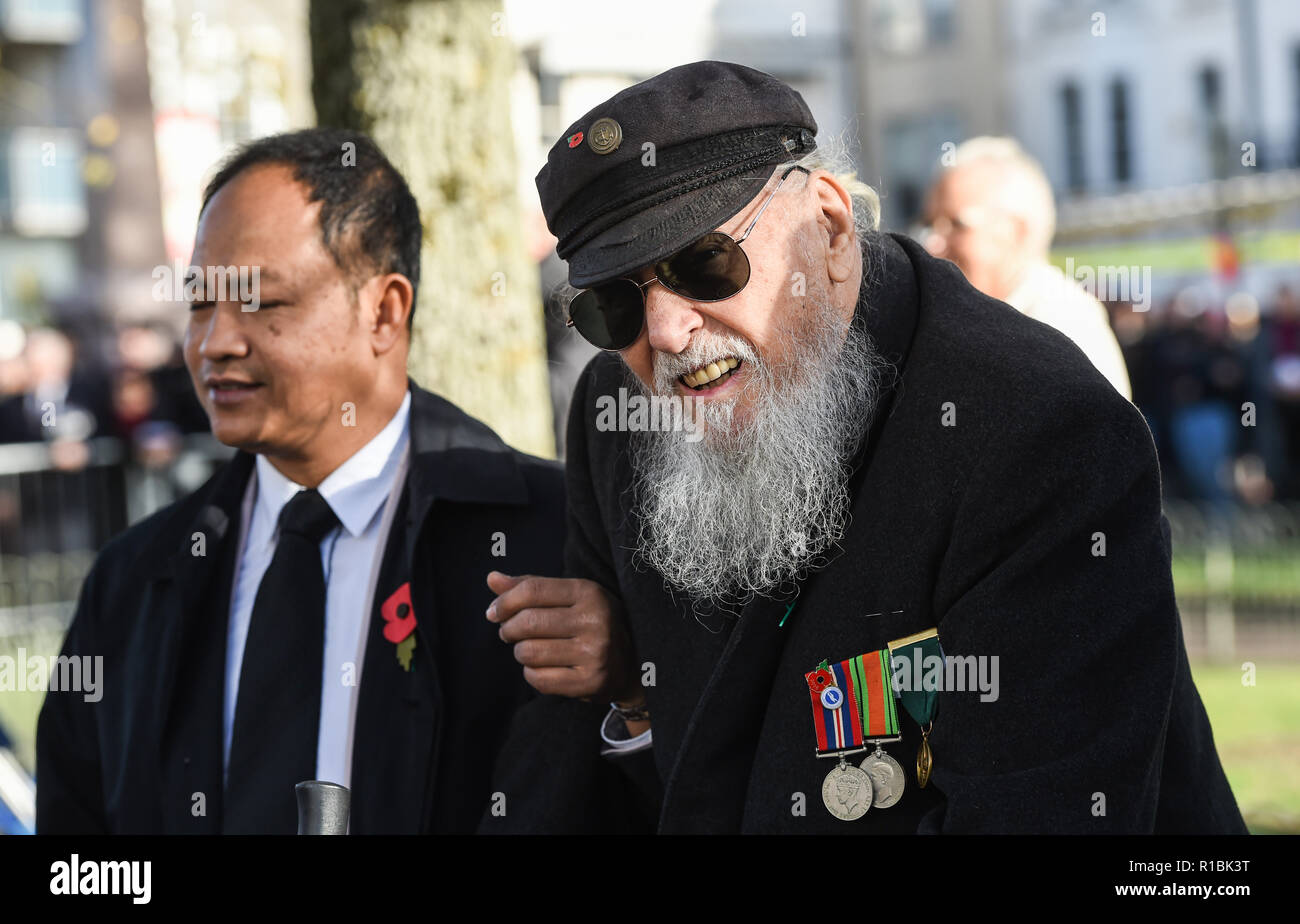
x=1072 y=118
x=939 y=26
x=57 y=22
x=47 y=197
x=1120 y=120
x=1207 y=79
x=1210 y=87
x=910 y=26
x=1295 y=92
x=912 y=148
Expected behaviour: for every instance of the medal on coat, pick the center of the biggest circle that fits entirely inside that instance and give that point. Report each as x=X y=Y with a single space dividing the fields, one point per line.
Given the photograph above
x=853 y=707
x=887 y=778
x=847 y=792
x=921 y=700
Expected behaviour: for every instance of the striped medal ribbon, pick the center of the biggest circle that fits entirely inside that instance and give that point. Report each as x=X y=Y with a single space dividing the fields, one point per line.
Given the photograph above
x=853 y=705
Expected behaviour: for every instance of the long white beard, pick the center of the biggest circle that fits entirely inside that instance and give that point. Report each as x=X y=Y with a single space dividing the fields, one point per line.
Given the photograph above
x=757 y=502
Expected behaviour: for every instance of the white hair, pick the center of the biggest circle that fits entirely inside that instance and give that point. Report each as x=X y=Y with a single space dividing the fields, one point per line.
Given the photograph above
x=1023 y=189
x=832 y=155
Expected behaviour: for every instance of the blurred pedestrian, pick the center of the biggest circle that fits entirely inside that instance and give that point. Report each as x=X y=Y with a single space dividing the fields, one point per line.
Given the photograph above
x=991 y=212
x=1283 y=345
x=55 y=405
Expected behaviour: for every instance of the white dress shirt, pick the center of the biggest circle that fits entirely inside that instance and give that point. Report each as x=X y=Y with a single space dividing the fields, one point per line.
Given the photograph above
x=363 y=492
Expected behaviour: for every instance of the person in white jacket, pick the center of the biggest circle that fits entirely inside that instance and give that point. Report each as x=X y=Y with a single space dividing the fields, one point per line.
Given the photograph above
x=992 y=213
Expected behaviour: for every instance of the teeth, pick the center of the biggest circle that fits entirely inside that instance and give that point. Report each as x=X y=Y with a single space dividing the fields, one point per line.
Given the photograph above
x=710 y=372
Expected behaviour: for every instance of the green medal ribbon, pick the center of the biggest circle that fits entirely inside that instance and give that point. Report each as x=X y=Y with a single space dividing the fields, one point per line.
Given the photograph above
x=920 y=699
x=915 y=651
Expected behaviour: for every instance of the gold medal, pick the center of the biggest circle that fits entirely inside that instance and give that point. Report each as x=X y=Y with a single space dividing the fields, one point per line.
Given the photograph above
x=924 y=759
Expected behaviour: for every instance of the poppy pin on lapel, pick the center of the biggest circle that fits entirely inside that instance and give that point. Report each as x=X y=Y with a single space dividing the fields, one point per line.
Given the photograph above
x=399 y=624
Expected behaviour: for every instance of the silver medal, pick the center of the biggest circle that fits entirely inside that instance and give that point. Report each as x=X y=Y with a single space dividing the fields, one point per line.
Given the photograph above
x=847 y=792
x=886 y=777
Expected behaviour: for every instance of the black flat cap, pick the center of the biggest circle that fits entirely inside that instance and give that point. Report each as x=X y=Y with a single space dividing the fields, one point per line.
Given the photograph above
x=666 y=161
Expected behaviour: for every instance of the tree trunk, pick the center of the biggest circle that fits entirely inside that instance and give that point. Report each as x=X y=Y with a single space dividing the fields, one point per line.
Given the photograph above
x=429 y=81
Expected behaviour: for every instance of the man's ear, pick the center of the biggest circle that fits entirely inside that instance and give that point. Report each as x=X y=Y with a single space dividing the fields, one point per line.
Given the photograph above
x=1021 y=233
x=836 y=222
x=392 y=306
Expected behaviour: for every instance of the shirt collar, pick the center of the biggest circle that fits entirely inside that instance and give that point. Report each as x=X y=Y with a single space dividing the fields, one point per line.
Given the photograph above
x=357 y=489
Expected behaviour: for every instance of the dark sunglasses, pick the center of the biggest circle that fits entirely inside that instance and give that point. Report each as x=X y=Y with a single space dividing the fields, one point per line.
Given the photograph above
x=713 y=268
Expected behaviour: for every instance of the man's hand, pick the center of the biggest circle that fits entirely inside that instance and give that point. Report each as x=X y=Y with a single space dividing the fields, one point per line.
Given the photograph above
x=570 y=636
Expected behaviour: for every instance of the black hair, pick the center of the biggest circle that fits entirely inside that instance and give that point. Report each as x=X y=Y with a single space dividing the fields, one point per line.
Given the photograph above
x=369 y=220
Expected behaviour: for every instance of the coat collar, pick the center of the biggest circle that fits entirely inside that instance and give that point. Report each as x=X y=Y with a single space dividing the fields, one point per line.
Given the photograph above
x=453 y=457
x=459 y=458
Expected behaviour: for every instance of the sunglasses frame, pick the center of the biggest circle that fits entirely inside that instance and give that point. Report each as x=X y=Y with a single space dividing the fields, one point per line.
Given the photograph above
x=642 y=286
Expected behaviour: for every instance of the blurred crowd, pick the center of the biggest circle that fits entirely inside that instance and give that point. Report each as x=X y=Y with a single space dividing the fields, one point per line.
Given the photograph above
x=88 y=401
x=65 y=392
x=1219 y=385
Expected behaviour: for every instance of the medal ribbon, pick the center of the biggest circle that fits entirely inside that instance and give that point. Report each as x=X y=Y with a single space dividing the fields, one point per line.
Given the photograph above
x=866 y=707
x=921 y=704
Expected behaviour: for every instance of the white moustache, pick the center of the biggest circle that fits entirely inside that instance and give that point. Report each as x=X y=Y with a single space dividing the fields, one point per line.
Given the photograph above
x=702 y=349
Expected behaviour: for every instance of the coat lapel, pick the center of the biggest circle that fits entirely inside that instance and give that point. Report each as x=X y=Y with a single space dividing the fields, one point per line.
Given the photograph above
x=398 y=710
x=398 y=732
x=706 y=789
x=196 y=590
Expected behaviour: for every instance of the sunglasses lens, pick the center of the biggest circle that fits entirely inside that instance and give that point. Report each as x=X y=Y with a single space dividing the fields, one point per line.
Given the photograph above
x=609 y=316
x=711 y=269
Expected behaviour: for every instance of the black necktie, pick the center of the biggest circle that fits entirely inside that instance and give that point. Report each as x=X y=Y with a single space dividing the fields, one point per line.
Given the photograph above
x=277 y=712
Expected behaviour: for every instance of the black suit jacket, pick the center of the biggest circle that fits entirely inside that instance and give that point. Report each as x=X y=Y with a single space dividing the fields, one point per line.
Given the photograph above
x=148 y=755
x=985 y=529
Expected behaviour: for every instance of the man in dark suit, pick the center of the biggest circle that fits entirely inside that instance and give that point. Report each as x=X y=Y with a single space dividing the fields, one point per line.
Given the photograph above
x=890 y=464
x=315 y=610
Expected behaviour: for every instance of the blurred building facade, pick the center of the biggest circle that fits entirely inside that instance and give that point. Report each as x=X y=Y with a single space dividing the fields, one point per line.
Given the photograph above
x=930 y=72
x=1170 y=129
x=576 y=53
x=221 y=74
x=1160 y=93
x=79 y=216
x=111 y=114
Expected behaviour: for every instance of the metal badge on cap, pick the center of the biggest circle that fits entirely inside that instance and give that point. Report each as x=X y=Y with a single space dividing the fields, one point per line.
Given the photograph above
x=604 y=136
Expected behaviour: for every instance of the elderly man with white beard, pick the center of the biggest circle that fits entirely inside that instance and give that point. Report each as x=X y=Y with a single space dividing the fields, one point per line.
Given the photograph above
x=905 y=582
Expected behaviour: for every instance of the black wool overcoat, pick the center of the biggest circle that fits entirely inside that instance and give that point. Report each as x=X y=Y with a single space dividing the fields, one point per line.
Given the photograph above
x=997 y=457
x=425 y=739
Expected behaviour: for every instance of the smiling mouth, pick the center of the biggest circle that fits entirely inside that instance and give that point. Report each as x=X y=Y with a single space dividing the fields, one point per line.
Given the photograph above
x=710 y=375
x=230 y=388
x=223 y=386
